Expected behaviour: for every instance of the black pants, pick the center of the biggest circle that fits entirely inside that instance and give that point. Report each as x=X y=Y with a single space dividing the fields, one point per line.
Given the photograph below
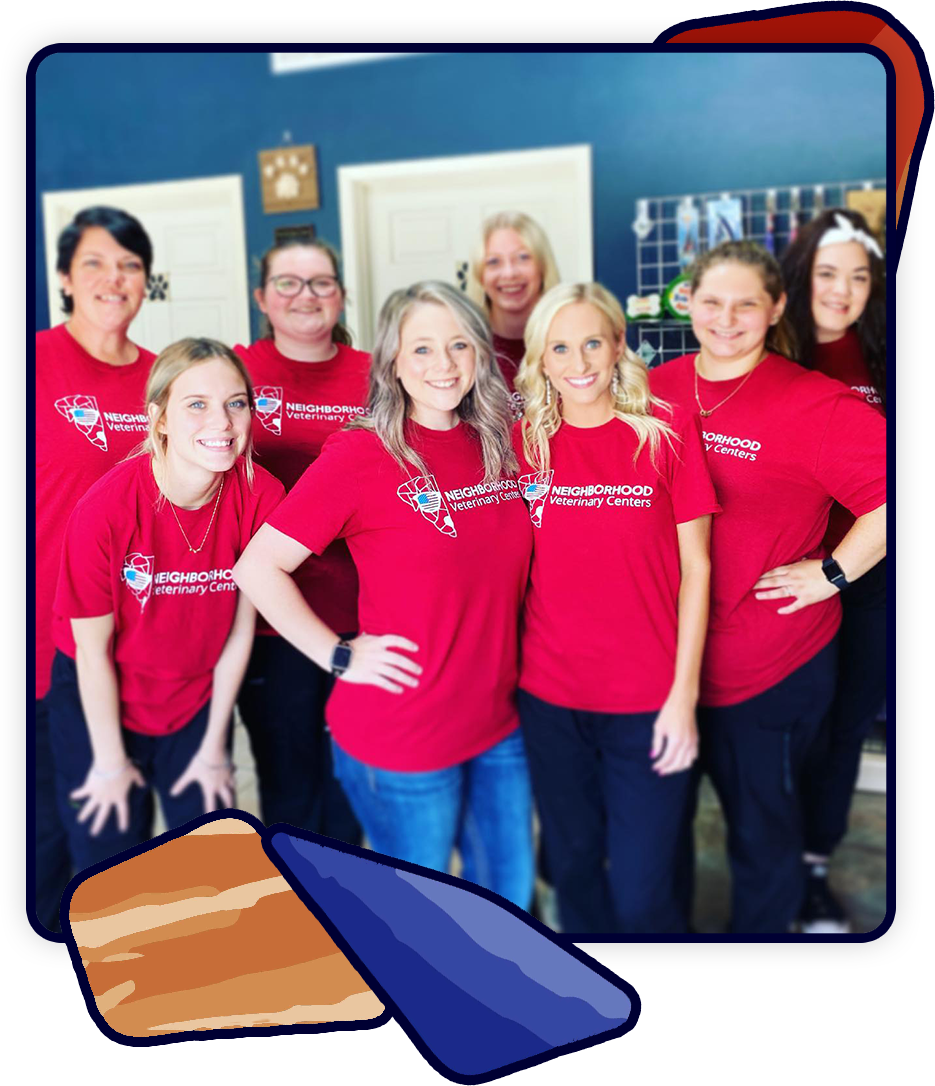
x=52 y=862
x=834 y=760
x=161 y=759
x=282 y=703
x=754 y=753
x=610 y=825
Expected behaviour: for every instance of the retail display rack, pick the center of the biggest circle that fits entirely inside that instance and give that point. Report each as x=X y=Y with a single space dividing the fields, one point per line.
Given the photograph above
x=657 y=255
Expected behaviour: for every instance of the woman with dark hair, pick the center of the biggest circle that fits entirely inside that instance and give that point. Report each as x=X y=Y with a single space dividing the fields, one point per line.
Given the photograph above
x=90 y=381
x=152 y=637
x=834 y=274
x=309 y=382
x=423 y=721
x=783 y=443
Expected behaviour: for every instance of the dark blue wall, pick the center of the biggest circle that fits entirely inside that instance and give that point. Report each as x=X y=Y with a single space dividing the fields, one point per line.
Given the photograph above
x=659 y=123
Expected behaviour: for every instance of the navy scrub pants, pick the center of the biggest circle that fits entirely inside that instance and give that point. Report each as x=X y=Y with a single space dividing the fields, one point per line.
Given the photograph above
x=833 y=762
x=51 y=858
x=754 y=753
x=611 y=827
x=282 y=704
x=162 y=759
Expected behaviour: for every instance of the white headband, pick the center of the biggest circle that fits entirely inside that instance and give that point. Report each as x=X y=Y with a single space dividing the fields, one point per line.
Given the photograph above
x=843 y=231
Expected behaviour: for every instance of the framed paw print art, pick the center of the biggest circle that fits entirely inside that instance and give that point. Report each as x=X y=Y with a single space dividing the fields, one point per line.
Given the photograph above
x=289 y=179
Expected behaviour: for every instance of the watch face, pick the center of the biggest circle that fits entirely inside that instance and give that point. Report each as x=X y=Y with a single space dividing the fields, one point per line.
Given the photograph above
x=341 y=658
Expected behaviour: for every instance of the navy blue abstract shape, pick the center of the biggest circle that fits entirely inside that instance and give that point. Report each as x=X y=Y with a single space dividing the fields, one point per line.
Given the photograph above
x=480 y=990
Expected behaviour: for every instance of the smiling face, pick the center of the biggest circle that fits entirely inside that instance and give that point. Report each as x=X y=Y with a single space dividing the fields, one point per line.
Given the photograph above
x=581 y=352
x=435 y=364
x=106 y=282
x=304 y=317
x=511 y=277
x=206 y=419
x=732 y=312
x=840 y=288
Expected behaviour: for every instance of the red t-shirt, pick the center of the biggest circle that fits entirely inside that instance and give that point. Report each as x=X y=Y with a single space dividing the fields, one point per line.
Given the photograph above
x=788 y=443
x=600 y=626
x=298 y=404
x=89 y=415
x=443 y=560
x=509 y=354
x=844 y=361
x=125 y=555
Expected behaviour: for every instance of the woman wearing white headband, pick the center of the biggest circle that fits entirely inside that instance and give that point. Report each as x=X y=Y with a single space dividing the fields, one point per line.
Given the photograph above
x=837 y=306
x=782 y=445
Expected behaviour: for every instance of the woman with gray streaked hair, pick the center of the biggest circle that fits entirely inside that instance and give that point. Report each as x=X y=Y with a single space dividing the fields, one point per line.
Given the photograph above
x=423 y=721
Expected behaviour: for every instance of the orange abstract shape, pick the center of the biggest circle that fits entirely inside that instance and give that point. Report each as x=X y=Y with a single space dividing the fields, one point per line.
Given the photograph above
x=202 y=933
x=874 y=27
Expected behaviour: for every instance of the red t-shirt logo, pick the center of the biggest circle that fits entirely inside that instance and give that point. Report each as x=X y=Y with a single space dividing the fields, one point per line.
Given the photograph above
x=535 y=489
x=269 y=407
x=137 y=575
x=423 y=495
x=83 y=412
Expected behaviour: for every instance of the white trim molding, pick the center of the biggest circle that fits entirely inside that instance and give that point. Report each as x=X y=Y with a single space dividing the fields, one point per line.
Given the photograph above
x=284 y=63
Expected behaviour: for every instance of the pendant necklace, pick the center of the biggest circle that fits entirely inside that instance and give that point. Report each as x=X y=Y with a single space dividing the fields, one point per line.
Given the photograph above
x=707 y=413
x=217 y=502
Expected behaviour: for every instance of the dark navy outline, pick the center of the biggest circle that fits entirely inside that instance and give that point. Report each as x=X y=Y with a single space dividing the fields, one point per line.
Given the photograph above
x=478 y=891
x=234 y=1032
x=391 y=1011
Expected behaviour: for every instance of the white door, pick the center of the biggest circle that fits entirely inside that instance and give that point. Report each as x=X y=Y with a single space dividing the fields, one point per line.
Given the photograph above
x=406 y=221
x=199 y=281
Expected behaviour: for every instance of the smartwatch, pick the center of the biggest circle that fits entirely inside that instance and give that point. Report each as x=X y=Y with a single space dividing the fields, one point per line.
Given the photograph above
x=834 y=573
x=341 y=658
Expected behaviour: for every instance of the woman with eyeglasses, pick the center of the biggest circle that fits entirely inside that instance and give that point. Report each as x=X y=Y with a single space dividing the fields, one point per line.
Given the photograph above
x=309 y=382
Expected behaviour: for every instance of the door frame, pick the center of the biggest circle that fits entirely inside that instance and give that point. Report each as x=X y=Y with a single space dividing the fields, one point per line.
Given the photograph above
x=357 y=183
x=157 y=196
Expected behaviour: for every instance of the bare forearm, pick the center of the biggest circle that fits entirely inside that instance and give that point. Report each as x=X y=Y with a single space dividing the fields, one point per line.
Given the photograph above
x=100 y=700
x=276 y=596
x=692 y=627
x=228 y=675
x=864 y=545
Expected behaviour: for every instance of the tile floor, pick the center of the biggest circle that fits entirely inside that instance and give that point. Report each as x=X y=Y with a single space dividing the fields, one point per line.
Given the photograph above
x=858 y=875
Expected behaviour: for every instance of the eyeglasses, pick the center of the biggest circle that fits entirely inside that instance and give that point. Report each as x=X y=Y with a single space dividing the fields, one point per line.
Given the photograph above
x=288 y=286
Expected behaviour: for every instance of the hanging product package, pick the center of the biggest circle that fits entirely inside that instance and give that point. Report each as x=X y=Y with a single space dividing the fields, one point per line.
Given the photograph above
x=687 y=221
x=725 y=220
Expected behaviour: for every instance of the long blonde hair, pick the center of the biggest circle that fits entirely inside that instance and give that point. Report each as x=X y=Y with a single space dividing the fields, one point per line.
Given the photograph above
x=534 y=237
x=172 y=363
x=633 y=403
x=485 y=408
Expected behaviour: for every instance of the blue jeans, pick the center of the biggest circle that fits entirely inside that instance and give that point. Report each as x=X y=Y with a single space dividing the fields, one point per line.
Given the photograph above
x=484 y=806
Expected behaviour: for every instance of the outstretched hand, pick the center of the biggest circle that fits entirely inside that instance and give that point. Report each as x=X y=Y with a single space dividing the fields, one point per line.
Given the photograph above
x=106 y=791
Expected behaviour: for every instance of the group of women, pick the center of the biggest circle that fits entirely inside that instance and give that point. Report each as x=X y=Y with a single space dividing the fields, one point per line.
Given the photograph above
x=466 y=614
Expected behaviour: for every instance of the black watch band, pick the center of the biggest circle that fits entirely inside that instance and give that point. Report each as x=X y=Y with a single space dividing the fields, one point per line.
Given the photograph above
x=341 y=658
x=834 y=573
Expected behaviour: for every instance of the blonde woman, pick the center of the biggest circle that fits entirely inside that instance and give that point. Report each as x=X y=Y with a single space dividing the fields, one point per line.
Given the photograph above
x=511 y=268
x=152 y=638
x=621 y=502
x=425 y=733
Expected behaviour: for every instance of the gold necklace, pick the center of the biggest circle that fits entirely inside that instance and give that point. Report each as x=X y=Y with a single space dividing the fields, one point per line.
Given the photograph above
x=705 y=414
x=217 y=502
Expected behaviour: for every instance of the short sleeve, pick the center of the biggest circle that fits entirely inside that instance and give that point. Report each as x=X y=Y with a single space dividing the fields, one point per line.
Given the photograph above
x=268 y=492
x=321 y=506
x=687 y=474
x=85 y=585
x=851 y=460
